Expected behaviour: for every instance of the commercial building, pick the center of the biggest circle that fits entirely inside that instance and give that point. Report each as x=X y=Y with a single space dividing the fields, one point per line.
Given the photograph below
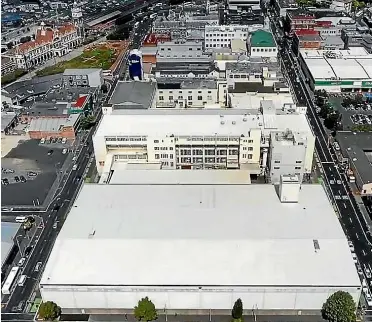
x=287 y=155
x=338 y=70
x=186 y=93
x=356 y=156
x=195 y=138
x=341 y=5
x=131 y=95
x=222 y=36
x=87 y=77
x=290 y=249
x=63 y=127
x=8 y=233
x=281 y=7
x=261 y=43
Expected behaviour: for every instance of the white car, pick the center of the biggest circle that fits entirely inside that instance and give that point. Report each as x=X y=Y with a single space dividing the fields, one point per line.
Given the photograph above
x=64 y=151
x=351 y=245
x=21 y=261
x=42 y=141
x=74 y=167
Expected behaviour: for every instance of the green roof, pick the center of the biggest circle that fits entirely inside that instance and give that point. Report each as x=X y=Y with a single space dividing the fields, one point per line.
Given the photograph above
x=261 y=38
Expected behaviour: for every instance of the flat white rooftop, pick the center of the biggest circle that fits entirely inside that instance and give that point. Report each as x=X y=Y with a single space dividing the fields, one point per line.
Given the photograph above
x=221 y=235
x=354 y=63
x=197 y=124
x=148 y=177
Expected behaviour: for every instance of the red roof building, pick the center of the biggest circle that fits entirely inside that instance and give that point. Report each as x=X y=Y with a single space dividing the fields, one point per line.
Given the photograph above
x=81 y=101
x=49 y=42
x=152 y=40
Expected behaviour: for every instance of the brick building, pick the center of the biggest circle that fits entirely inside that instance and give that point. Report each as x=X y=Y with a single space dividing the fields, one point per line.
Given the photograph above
x=61 y=127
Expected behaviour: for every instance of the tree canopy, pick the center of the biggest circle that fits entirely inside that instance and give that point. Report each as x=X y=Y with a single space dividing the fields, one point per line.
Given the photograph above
x=49 y=311
x=237 y=310
x=145 y=310
x=339 y=307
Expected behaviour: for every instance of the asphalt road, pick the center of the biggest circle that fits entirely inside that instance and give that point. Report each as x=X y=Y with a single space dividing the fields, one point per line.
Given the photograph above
x=349 y=214
x=43 y=243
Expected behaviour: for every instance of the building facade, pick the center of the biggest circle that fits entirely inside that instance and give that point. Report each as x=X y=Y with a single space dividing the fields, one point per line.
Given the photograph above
x=221 y=36
x=48 y=43
x=197 y=139
x=186 y=93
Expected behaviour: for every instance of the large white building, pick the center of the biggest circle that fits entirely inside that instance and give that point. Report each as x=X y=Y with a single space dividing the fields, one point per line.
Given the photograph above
x=195 y=139
x=221 y=36
x=338 y=70
x=199 y=247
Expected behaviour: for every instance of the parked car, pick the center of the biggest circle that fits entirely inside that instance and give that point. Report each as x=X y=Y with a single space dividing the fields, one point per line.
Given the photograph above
x=22 y=178
x=38 y=266
x=50 y=152
x=64 y=151
x=16 y=179
x=31 y=174
x=42 y=141
x=8 y=170
x=5 y=181
x=22 y=261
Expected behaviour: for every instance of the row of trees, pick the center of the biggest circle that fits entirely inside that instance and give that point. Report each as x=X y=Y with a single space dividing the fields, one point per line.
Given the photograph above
x=332 y=118
x=339 y=307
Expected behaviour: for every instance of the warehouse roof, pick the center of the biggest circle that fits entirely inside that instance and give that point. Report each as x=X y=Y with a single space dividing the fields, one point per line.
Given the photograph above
x=198 y=227
x=196 y=123
x=53 y=124
x=319 y=68
x=8 y=231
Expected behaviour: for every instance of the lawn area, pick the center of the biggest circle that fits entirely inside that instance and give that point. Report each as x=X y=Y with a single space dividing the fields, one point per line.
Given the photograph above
x=35 y=305
x=93 y=58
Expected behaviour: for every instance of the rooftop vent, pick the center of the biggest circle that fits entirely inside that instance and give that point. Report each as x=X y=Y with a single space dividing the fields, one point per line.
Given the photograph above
x=316 y=245
x=222 y=122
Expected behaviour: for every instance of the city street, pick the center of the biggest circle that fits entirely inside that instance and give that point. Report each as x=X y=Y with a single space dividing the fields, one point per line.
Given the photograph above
x=350 y=216
x=43 y=243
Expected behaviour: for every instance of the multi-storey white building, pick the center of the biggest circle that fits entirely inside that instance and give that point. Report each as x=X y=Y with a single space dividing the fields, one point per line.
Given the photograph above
x=48 y=43
x=186 y=93
x=194 y=139
x=221 y=36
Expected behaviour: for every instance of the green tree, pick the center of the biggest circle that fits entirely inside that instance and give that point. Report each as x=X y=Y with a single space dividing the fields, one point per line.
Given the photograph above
x=104 y=88
x=237 y=310
x=49 y=311
x=145 y=310
x=339 y=307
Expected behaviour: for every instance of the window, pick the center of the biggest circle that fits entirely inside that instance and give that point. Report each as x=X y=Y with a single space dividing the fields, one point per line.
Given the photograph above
x=171 y=164
x=180 y=97
x=171 y=98
x=171 y=148
x=297 y=168
x=156 y=141
x=250 y=148
x=156 y=156
x=250 y=141
x=200 y=98
x=156 y=148
x=298 y=161
x=250 y=156
x=276 y=168
x=276 y=161
x=171 y=156
x=161 y=98
x=189 y=98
